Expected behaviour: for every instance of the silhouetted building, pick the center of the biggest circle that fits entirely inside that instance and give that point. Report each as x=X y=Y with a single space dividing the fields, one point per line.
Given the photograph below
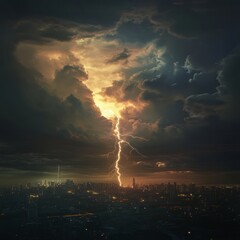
x=134 y=183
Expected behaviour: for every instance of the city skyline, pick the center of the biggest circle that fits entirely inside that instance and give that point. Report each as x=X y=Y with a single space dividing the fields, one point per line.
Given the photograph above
x=108 y=211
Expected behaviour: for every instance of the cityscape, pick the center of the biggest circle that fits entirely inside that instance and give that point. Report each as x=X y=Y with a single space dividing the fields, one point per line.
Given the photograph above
x=119 y=120
x=171 y=211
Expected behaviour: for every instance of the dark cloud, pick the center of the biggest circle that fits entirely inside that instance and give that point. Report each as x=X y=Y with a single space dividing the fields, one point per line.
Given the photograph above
x=203 y=105
x=91 y=12
x=204 y=82
x=68 y=81
x=37 y=30
x=124 y=55
x=193 y=20
x=58 y=124
x=48 y=29
x=229 y=74
x=135 y=32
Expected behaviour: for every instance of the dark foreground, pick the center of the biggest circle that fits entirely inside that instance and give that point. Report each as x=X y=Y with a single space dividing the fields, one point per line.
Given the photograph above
x=105 y=211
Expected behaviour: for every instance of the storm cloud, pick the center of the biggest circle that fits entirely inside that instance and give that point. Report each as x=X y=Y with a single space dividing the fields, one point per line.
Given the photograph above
x=170 y=68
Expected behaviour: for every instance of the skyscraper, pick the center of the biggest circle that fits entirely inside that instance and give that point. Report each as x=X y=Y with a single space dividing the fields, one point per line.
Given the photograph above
x=58 y=175
x=133 y=183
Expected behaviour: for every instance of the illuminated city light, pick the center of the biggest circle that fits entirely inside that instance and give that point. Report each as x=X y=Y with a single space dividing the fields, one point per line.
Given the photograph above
x=160 y=164
x=34 y=196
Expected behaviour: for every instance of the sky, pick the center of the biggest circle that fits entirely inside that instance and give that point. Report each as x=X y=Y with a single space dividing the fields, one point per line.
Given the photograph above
x=169 y=70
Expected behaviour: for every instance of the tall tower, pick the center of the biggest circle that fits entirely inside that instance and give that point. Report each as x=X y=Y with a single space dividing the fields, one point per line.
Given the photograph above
x=58 y=175
x=133 y=183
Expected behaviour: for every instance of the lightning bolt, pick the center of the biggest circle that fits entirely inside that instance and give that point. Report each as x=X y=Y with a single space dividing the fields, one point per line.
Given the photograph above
x=112 y=113
x=119 y=144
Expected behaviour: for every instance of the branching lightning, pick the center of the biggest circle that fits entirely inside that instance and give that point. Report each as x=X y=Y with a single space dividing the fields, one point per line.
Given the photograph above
x=120 y=141
x=112 y=112
x=135 y=137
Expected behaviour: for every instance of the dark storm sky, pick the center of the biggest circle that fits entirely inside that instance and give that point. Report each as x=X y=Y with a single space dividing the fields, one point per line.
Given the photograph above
x=172 y=67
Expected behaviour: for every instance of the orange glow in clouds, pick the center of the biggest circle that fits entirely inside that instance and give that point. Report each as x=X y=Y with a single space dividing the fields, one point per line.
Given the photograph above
x=101 y=75
x=92 y=53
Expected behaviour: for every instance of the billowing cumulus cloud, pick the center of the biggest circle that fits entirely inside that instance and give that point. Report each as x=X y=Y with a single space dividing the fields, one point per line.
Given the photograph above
x=170 y=69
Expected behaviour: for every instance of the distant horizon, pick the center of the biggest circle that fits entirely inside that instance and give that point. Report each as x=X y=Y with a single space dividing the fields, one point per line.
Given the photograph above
x=125 y=185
